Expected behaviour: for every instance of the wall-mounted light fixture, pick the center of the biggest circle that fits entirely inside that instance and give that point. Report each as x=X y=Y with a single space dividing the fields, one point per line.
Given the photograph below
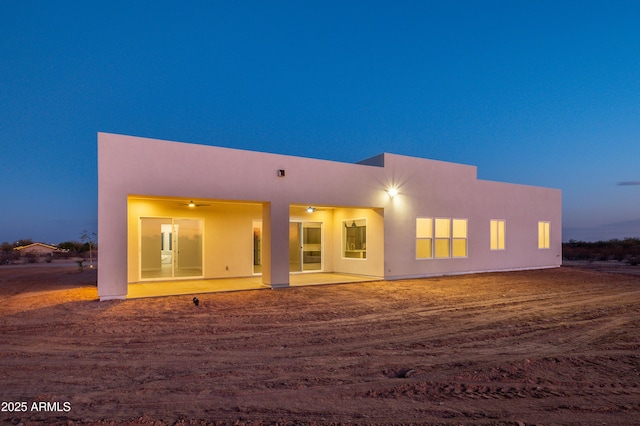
x=393 y=191
x=311 y=209
x=281 y=173
x=191 y=204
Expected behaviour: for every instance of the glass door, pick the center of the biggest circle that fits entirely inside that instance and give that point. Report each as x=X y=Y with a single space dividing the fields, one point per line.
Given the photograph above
x=257 y=247
x=188 y=248
x=312 y=246
x=305 y=246
x=156 y=260
x=170 y=248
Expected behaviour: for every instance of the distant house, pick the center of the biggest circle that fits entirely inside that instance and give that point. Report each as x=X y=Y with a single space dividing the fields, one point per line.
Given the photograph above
x=39 y=249
x=171 y=211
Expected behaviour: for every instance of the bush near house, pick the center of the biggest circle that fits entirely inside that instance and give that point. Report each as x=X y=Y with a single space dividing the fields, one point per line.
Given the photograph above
x=8 y=254
x=75 y=248
x=626 y=250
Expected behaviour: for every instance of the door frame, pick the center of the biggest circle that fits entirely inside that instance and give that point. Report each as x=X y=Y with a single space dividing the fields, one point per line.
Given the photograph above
x=174 y=247
x=257 y=223
x=301 y=244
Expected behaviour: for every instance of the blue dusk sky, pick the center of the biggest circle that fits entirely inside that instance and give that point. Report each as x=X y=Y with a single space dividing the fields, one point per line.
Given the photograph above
x=542 y=93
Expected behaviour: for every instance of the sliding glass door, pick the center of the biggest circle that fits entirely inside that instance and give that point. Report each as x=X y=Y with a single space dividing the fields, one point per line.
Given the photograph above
x=170 y=248
x=305 y=246
x=188 y=248
x=311 y=246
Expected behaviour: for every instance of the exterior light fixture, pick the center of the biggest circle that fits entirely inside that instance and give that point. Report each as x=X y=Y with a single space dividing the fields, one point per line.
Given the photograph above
x=311 y=209
x=191 y=204
x=393 y=191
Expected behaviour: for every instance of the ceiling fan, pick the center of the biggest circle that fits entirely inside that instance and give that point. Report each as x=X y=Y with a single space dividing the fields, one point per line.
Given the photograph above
x=193 y=204
x=312 y=209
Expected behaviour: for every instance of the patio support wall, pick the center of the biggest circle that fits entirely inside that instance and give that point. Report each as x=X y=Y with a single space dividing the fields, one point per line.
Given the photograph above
x=275 y=244
x=112 y=235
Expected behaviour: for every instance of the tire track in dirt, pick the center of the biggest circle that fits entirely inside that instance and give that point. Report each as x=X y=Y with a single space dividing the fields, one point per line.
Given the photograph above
x=551 y=346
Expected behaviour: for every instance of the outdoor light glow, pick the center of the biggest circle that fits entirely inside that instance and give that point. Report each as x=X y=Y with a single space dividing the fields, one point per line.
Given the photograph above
x=192 y=204
x=310 y=209
x=393 y=191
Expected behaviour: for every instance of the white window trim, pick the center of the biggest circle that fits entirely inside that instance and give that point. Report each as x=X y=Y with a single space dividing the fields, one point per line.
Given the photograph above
x=451 y=238
x=547 y=235
x=344 y=236
x=432 y=238
x=466 y=237
x=504 y=235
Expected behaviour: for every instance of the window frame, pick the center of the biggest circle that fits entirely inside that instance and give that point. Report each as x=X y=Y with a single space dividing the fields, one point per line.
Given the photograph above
x=363 y=251
x=444 y=236
x=429 y=238
x=499 y=237
x=544 y=235
x=441 y=238
x=465 y=238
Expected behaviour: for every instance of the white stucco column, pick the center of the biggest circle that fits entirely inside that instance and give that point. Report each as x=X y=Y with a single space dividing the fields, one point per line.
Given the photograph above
x=275 y=244
x=112 y=224
x=112 y=243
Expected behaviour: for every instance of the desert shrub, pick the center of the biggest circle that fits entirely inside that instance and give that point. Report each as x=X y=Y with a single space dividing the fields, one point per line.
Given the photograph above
x=62 y=255
x=615 y=249
x=9 y=258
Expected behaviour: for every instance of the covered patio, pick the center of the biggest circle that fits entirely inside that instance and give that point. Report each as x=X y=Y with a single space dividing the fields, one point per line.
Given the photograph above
x=182 y=287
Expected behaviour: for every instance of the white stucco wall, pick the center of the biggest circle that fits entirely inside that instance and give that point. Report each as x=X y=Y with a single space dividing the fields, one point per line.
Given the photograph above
x=444 y=190
x=152 y=168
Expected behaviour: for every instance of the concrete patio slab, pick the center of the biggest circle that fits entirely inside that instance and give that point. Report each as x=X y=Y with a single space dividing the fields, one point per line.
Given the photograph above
x=181 y=287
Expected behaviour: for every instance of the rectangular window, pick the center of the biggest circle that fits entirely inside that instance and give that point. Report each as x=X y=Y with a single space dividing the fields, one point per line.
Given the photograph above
x=497 y=228
x=354 y=238
x=459 y=238
x=424 y=238
x=544 y=233
x=443 y=238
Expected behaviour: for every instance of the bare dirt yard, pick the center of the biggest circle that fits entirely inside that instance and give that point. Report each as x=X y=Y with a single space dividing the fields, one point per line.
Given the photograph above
x=558 y=346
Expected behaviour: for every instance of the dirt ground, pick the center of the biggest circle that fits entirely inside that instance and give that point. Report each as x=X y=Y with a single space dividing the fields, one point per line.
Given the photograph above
x=559 y=346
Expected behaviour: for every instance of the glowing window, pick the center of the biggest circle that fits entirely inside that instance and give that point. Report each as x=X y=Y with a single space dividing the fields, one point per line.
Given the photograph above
x=443 y=238
x=424 y=238
x=459 y=241
x=544 y=233
x=354 y=238
x=496 y=229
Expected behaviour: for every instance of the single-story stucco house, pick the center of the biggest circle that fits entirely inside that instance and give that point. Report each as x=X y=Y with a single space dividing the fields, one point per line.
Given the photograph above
x=170 y=211
x=39 y=249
